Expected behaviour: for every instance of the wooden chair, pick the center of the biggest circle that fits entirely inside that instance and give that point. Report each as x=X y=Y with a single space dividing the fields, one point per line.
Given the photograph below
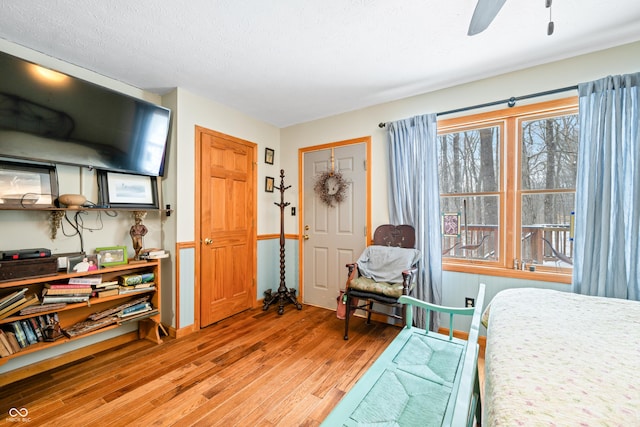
x=385 y=271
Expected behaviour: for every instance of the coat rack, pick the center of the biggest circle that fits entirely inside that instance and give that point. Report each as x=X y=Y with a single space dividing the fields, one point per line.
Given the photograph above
x=283 y=294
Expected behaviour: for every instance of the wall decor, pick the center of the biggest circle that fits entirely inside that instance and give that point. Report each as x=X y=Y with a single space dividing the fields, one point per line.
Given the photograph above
x=451 y=224
x=331 y=188
x=25 y=185
x=121 y=190
x=113 y=255
x=268 y=184
x=268 y=156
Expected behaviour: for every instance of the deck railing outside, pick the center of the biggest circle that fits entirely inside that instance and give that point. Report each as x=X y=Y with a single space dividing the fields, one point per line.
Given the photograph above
x=480 y=242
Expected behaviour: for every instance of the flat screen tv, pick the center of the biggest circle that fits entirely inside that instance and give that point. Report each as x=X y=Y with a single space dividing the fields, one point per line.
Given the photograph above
x=51 y=117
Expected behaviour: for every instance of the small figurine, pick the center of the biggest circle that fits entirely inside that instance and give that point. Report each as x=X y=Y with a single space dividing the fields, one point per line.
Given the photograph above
x=137 y=232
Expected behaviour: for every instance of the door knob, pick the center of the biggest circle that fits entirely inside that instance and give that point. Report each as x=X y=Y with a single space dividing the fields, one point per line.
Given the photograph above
x=208 y=241
x=305 y=237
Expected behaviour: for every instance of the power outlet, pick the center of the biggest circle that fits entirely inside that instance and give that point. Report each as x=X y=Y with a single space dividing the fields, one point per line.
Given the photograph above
x=469 y=302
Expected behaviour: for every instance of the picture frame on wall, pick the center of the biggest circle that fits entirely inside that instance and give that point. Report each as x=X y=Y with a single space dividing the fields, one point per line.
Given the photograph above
x=122 y=190
x=112 y=255
x=268 y=156
x=268 y=184
x=27 y=185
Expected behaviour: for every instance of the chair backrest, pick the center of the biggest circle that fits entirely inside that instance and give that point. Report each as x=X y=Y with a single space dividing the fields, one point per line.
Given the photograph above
x=403 y=236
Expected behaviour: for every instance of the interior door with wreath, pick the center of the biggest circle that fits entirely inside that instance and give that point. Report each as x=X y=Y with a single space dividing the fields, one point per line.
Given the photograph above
x=335 y=216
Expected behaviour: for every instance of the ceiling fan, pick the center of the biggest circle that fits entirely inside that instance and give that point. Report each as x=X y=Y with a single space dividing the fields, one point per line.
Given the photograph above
x=485 y=12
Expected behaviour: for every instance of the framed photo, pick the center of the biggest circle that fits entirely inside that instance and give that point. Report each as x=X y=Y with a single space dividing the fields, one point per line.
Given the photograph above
x=114 y=255
x=63 y=259
x=451 y=224
x=24 y=185
x=122 y=190
x=268 y=156
x=268 y=184
x=82 y=263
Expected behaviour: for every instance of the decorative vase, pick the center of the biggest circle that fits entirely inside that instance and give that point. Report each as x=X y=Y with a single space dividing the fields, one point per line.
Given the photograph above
x=72 y=201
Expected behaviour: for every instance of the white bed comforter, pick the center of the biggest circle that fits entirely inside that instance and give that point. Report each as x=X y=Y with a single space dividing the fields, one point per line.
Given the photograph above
x=560 y=359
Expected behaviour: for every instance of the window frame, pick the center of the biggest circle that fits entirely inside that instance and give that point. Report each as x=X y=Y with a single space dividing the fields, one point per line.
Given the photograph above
x=510 y=193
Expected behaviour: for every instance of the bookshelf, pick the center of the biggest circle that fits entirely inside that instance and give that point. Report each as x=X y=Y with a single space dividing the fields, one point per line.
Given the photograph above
x=148 y=325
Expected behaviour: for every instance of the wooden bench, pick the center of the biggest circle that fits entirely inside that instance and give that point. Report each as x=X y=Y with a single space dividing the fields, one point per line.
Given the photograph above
x=422 y=378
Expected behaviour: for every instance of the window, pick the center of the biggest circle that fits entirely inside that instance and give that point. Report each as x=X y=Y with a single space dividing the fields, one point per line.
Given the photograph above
x=507 y=190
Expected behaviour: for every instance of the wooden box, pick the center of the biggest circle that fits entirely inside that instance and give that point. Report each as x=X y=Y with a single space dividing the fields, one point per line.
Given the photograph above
x=19 y=269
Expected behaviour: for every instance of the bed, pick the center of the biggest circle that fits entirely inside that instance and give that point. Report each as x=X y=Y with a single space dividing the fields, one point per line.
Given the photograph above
x=560 y=359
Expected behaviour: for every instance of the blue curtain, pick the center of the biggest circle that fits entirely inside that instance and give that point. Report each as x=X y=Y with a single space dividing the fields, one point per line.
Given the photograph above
x=607 y=222
x=414 y=199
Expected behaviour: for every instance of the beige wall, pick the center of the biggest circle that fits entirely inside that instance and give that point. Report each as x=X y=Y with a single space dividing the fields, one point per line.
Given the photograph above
x=21 y=230
x=569 y=72
x=192 y=110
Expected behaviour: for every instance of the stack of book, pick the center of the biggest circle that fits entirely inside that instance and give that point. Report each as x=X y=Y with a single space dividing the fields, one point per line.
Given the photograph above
x=71 y=292
x=25 y=332
x=135 y=311
x=153 y=253
x=107 y=289
x=132 y=283
x=16 y=301
x=79 y=289
x=87 y=326
x=131 y=310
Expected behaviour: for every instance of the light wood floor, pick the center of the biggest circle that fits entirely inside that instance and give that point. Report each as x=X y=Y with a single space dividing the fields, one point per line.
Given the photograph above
x=254 y=369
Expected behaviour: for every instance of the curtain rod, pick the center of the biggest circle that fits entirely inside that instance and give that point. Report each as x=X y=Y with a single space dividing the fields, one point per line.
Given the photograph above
x=511 y=102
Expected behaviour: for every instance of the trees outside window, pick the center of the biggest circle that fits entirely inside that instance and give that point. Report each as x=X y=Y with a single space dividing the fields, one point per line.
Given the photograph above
x=510 y=177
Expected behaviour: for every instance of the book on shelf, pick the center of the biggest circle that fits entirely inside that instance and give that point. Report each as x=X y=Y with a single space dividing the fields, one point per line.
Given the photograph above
x=128 y=311
x=54 y=299
x=10 y=309
x=107 y=284
x=67 y=291
x=155 y=256
x=13 y=341
x=151 y=285
x=29 y=333
x=138 y=316
x=35 y=325
x=7 y=300
x=25 y=301
x=153 y=253
x=88 y=326
x=107 y=292
x=86 y=280
x=20 y=334
x=132 y=290
x=68 y=286
x=112 y=311
x=135 y=279
x=33 y=309
x=5 y=347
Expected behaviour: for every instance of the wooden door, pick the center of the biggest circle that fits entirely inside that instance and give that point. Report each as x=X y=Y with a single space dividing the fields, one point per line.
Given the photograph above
x=227 y=235
x=334 y=236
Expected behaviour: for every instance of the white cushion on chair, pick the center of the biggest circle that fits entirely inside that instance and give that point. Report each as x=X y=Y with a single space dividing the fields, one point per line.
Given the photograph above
x=386 y=263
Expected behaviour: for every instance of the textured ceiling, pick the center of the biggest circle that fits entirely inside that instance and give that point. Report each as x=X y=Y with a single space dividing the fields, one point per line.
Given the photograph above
x=291 y=61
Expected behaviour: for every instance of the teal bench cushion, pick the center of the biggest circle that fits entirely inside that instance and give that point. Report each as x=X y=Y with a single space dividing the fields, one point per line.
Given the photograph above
x=410 y=384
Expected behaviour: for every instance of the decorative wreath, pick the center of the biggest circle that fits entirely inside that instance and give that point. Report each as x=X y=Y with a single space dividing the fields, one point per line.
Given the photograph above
x=331 y=187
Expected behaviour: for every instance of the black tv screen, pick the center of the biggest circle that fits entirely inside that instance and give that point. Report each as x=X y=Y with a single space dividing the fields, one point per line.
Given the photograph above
x=52 y=117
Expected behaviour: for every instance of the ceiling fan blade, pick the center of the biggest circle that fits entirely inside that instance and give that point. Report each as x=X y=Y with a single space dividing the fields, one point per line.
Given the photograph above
x=485 y=11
